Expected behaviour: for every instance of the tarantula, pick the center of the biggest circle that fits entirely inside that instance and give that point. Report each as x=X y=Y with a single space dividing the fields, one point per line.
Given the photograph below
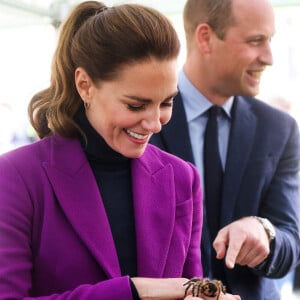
x=205 y=286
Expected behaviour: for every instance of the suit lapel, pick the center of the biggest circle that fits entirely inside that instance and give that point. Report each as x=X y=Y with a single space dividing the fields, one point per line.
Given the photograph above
x=78 y=195
x=154 y=203
x=241 y=141
x=176 y=134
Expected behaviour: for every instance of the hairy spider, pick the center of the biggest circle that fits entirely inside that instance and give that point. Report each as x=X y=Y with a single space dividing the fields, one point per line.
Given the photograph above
x=205 y=286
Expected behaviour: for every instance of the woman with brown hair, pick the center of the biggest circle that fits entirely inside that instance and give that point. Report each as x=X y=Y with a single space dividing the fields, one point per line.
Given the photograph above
x=91 y=211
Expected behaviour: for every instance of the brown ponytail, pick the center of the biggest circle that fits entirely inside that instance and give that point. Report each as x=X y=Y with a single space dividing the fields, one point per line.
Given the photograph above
x=101 y=40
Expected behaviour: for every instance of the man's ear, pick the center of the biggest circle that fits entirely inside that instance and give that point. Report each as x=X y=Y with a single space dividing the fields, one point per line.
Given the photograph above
x=83 y=84
x=204 y=37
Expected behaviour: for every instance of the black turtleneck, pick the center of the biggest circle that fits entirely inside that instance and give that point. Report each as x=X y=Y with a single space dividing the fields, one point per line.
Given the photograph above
x=113 y=176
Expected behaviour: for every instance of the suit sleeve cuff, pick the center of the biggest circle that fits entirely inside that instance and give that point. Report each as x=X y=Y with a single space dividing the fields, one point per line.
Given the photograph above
x=134 y=291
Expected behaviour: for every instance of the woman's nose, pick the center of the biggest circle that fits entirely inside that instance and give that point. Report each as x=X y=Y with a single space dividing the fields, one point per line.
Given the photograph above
x=152 y=122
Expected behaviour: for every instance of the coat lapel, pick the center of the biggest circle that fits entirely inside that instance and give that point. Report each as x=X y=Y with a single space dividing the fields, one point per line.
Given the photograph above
x=154 y=203
x=241 y=141
x=176 y=134
x=78 y=195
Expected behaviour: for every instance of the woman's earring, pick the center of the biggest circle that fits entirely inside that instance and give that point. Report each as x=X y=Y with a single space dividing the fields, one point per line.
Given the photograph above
x=86 y=105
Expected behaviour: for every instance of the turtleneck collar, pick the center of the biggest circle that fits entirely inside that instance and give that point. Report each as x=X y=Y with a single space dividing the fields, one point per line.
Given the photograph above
x=96 y=148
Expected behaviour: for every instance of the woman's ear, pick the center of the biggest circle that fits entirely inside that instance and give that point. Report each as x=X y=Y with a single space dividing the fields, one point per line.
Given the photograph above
x=83 y=84
x=204 y=37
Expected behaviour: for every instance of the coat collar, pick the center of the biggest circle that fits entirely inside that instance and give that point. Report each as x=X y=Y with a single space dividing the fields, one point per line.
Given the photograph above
x=77 y=193
x=241 y=142
x=177 y=130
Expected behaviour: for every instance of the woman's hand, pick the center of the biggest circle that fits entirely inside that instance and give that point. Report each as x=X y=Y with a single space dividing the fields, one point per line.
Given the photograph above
x=207 y=289
x=221 y=297
x=160 y=288
x=170 y=289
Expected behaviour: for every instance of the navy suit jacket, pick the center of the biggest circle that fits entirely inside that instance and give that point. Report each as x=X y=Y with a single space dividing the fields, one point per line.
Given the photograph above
x=261 y=178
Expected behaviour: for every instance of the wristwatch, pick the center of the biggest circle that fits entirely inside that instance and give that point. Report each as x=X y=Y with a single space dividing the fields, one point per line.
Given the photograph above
x=268 y=226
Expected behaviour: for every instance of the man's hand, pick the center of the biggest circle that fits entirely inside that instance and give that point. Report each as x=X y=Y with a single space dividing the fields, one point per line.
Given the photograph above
x=244 y=242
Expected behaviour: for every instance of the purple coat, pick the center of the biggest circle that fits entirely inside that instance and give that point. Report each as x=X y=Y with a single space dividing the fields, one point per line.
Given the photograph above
x=55 y=239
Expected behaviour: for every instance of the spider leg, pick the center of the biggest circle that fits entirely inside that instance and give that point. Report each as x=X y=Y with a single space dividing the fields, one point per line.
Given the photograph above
x=193 y=290
x=219 y=294
x=197 y=289
x=187 y=288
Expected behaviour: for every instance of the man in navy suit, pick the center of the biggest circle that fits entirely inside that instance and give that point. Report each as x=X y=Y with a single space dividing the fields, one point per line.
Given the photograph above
x=228 y=48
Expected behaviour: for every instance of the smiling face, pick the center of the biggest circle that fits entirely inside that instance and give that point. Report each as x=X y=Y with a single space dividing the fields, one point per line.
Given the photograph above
x=237 y=61
x=128 y=110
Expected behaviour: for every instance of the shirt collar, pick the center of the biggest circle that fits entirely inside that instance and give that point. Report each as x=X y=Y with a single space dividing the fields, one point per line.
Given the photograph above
x=195 y=103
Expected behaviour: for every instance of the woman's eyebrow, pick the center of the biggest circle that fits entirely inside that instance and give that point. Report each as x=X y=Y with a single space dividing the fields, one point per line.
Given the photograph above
x=147 y=100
